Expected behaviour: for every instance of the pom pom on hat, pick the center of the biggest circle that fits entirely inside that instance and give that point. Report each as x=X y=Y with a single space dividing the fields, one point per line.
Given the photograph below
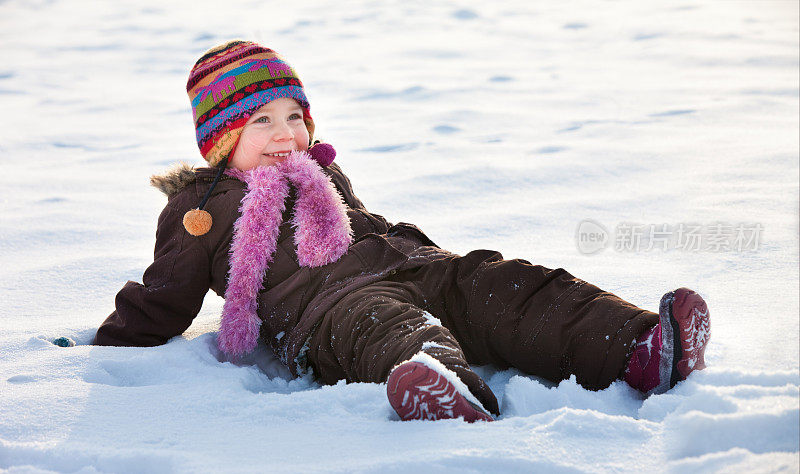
x=323 y=153
x=197 y=222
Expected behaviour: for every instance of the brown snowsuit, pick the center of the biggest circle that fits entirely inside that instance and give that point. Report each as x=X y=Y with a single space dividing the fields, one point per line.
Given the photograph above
x=391 y=295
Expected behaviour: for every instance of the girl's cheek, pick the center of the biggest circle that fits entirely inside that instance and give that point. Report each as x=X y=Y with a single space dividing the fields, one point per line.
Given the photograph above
x=255 y=140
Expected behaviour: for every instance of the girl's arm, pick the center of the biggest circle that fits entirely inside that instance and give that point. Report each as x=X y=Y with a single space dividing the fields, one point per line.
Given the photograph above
x=172 y=292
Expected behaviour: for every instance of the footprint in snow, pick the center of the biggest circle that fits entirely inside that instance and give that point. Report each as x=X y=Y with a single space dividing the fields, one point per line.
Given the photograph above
x=17 y=379
x=550 y=149
x=464 y=14
x=446 y=129
x=673 y=112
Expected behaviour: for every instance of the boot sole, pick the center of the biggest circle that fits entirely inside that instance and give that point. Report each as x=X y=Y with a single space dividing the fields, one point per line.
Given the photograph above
x=417 y=392
x=684 y=319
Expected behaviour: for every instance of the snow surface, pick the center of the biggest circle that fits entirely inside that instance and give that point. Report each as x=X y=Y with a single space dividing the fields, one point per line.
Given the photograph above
x=496 y=125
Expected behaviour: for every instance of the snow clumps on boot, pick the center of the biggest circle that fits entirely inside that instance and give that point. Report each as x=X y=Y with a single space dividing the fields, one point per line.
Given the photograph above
x=422 y=388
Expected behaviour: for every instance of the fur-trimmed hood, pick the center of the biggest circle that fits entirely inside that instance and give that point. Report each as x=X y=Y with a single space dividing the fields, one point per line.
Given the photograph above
x=171 y=181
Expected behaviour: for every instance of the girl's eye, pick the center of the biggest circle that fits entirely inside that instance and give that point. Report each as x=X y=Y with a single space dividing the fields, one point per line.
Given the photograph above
x=295 y=117
x=262 y=119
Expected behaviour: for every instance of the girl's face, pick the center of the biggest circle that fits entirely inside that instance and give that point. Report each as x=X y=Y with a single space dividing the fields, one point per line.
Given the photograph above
x=270 y=134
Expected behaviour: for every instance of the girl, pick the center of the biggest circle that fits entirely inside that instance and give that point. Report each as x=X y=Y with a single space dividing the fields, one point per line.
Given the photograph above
x=274 y=227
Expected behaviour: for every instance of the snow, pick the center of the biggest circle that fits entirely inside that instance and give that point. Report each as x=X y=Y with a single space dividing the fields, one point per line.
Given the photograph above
x=430 y=320
x=497 y=125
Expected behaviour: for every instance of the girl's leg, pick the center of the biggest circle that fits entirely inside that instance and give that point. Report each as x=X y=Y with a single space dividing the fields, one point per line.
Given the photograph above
x=374 y=329
x=544 y=322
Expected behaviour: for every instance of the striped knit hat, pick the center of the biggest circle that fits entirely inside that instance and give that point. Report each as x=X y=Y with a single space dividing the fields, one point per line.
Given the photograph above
x=230 y=82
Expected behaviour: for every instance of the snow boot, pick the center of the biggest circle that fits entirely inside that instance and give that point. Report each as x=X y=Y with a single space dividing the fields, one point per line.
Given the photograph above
x=418 y=391
x=667 y=353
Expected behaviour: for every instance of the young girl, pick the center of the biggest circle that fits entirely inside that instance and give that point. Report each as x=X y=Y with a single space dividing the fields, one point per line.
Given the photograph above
x=274 y=227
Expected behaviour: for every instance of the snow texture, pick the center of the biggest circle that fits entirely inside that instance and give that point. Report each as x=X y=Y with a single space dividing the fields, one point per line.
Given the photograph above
x=497 y=125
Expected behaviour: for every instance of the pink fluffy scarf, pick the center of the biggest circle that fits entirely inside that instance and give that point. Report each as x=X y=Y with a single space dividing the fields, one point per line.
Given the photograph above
x=322 y=235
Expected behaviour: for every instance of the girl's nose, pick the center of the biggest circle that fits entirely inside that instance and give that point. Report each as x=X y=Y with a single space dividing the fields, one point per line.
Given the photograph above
x=283 y=133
